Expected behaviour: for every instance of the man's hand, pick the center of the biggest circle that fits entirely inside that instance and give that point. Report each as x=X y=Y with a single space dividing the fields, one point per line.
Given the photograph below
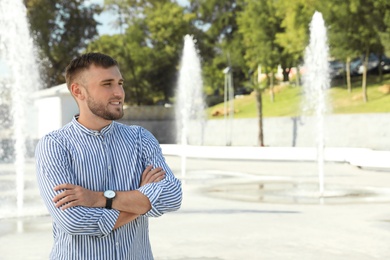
x=74 y=195
x=151 y=175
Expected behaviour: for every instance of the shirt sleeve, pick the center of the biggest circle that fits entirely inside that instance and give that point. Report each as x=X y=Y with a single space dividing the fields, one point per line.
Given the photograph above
x=53 y=167
x=166 y=195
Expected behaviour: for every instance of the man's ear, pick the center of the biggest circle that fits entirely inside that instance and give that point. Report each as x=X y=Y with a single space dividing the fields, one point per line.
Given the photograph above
x=77 y=91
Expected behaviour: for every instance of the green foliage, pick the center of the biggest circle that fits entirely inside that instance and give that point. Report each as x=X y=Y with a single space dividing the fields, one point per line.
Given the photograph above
x=61 y=29
x=269 y=35
x=294 y=38
x=240 y=34
x=223 y=45
x=167 y=25
x=133 y=56
x=150 y=47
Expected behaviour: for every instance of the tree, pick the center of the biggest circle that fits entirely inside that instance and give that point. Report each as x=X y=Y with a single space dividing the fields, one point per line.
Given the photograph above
x=133 y=56
x=167 y=25
x=151 y=46
x=294 y=37
x=61 y=30
x=259 y=24
x=384 y=30
x=355 y=30
x=221 y=41
x=341 y=34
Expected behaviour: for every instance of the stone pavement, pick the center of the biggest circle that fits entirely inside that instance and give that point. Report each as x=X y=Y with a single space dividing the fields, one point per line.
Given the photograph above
x=226 y=215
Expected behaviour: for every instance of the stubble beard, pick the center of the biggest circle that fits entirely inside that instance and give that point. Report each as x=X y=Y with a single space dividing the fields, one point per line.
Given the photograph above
x=102 y=111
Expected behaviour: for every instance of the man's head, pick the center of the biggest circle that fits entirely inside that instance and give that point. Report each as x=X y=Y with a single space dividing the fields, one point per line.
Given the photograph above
x=96 y=83
x=82 y=63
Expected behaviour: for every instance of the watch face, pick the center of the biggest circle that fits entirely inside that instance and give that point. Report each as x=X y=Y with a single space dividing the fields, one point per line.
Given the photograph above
x=109 y=194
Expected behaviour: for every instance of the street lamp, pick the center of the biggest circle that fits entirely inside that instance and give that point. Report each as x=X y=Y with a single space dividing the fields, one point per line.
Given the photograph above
x=228 y=104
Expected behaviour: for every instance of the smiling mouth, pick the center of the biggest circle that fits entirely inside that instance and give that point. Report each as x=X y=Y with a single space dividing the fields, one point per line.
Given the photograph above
x=115 y=103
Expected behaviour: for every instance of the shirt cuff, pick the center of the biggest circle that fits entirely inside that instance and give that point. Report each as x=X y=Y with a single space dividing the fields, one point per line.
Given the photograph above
x=152 y=191
x=107 y=221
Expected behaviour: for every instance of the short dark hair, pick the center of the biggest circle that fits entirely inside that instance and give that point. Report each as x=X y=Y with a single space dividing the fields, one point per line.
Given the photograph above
x=84 y=61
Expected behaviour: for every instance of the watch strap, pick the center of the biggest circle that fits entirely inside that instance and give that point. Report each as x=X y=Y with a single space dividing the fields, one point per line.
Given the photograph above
x=108 y=203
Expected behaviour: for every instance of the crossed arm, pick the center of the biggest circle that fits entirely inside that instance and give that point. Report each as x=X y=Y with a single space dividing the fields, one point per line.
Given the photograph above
x=130 y=204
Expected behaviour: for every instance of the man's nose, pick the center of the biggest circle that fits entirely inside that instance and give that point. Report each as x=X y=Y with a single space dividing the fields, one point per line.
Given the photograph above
x=119 y=91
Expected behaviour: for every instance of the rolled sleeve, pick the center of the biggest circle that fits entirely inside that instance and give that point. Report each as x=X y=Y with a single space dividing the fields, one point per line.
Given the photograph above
x=107 y=222
x=166 y=195
x=53 y=168
x=153 y=192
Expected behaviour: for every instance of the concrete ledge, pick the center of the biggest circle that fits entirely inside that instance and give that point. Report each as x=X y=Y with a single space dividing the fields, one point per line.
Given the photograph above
x=360 y=157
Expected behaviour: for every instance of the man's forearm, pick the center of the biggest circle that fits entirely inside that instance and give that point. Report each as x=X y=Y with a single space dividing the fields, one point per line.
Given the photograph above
x=124 y=218
x=131 y=202
x=73 y=195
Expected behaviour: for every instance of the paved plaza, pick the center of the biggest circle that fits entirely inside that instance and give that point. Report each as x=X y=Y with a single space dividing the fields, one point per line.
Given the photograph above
x=246 y=209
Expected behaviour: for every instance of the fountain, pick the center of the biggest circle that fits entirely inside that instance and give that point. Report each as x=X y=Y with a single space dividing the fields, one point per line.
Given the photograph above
x=189 y=100
x=19 y=78
x=316 y=82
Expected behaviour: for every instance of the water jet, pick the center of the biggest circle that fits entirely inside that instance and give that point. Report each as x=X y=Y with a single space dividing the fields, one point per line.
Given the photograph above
x=19 y=79
x=189 y=100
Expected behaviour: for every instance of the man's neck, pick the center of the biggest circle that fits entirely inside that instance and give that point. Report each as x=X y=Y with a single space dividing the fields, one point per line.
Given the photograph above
x=95 y=123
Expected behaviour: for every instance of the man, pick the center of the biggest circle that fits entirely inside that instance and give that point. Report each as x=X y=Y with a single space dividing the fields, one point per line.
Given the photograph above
x=100 y=179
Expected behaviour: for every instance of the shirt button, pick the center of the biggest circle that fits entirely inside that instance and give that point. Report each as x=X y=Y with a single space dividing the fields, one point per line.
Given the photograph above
x=117 y=244
x=109 y=167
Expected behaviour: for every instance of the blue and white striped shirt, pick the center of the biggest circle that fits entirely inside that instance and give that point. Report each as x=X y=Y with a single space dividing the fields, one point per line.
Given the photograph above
x=113 y=158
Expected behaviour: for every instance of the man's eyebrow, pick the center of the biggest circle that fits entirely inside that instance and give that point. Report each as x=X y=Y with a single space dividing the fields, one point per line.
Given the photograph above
x=110 y=80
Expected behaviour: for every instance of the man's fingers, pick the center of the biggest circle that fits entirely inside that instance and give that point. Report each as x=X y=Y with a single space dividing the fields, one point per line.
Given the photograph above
x=65 y=200
x=61 y=195
x=63 y=186
x=73 y=195
x=146 y=171
x=153 y=174
x=68 y=205
x=158 y=176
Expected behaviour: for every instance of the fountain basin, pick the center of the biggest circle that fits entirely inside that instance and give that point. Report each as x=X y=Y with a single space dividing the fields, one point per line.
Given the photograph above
x=292 y=192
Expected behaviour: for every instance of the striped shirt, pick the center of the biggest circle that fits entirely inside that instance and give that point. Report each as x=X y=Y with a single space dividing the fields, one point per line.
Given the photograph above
x=113 y=158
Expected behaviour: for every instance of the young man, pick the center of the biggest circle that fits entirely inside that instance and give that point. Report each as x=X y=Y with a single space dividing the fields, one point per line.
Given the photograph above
x=100 y=179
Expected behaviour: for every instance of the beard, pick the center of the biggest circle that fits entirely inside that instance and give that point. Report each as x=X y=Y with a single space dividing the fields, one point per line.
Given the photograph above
x=102 y=111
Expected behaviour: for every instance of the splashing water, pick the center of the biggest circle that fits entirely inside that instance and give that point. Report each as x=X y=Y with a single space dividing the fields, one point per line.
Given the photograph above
x=19 y=78
x=316 y=82
x=189 y=99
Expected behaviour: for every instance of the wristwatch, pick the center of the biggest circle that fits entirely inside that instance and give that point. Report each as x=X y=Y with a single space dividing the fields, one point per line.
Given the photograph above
x=110 y=195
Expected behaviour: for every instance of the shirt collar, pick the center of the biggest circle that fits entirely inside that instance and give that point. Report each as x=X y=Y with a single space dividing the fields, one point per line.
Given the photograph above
x=106 y=130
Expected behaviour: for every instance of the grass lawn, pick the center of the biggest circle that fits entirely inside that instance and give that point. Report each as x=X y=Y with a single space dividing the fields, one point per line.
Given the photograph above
x=287 y=100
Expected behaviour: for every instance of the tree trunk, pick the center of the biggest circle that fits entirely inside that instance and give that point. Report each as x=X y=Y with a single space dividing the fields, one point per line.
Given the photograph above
x=364 y=78
x=271 y=87
x=259 y=103
x=260 y=114
x=286 y=73
x=348 y=74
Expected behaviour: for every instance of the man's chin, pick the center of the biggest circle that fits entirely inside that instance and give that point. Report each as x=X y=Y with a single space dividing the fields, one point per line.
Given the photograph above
x=116 y=117
x=117 y=114
x=113 y=116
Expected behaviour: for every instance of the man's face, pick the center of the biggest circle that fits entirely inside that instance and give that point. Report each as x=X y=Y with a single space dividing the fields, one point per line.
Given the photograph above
x=104 y=92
